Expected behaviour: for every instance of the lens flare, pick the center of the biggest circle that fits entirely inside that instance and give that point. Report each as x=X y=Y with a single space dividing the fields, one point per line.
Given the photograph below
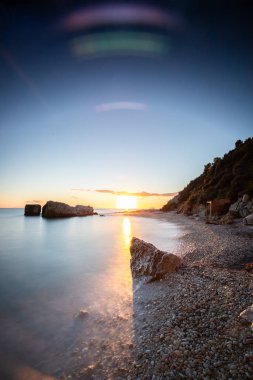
x=121 y=106
x=91 y=17
x=119 y=43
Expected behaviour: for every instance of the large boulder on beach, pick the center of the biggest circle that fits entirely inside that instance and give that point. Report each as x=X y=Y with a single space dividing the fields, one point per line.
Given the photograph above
x=32 y=210
x=148 y=261
x=62 y=210
x=243 y=206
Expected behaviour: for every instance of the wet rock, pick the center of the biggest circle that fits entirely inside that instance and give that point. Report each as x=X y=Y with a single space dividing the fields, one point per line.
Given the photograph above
x=148 y=261
x=32 y=210
x=62 y=210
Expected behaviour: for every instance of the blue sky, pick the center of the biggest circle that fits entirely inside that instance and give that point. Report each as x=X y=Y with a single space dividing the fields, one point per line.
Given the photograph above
x=198 y=103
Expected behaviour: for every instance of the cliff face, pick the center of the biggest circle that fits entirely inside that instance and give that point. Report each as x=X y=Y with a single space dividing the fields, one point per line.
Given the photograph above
x=225 y=179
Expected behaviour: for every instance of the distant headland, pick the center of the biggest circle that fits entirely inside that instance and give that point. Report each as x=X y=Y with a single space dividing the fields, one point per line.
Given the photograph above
x=223 y=191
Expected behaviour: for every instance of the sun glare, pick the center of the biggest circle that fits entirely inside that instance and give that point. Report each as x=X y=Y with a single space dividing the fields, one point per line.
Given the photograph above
x=126 y=227
x=126 y=202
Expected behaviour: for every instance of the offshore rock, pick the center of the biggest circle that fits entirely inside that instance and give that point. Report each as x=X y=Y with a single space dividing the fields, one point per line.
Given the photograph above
x=32 y=210
x=62 y=210
x=148 y=261
x=84 y=210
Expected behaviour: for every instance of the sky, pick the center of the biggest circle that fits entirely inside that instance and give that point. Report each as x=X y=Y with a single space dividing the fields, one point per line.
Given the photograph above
x=128 y=97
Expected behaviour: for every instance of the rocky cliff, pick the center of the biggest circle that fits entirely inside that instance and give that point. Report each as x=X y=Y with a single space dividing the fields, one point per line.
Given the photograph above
x=221 y=187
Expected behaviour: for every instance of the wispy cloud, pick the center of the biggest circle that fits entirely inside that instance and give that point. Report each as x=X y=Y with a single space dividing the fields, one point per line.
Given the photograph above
x=35 y=201
x=105 y=107
x=137 y=194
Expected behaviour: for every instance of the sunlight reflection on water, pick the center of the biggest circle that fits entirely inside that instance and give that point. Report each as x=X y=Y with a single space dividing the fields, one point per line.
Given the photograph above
x=126 y=229
x=55 y=268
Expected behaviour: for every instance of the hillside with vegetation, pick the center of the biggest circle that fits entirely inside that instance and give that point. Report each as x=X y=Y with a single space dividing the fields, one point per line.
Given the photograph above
x=227 y=178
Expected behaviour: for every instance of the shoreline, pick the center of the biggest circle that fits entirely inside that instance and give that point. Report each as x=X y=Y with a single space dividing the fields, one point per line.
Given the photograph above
x=186 y=326
x=192 y=328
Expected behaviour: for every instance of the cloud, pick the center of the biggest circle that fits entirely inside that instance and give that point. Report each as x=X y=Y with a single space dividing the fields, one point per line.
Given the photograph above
x=105 y=107
x=35 y=201
x=137 y=194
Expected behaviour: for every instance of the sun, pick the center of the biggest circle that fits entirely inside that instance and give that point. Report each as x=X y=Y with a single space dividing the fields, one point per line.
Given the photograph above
x=126 y=202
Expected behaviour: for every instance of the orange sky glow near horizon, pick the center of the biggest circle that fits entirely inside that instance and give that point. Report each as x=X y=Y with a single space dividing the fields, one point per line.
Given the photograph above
x=94 y=199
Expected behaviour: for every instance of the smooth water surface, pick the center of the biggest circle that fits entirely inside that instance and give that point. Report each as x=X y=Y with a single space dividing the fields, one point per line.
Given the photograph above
x=50 y=269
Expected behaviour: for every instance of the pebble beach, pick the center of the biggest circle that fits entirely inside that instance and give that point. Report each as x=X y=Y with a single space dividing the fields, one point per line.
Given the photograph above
x=187 y=325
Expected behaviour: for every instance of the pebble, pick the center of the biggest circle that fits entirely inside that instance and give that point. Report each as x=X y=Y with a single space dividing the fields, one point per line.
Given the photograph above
x=187 y=326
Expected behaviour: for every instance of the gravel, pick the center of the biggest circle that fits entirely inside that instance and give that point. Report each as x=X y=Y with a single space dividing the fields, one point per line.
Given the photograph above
x=187 y=325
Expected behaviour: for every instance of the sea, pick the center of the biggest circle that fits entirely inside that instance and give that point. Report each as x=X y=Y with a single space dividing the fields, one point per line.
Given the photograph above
x=52 y=269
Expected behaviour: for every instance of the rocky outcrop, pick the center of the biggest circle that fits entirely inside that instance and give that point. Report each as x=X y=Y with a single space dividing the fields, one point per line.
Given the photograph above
x=148 y=261
x=242 y=207
x=83 y=210
x=32 y=210
x=224 y=179
x=171 y=205
x=62 y=210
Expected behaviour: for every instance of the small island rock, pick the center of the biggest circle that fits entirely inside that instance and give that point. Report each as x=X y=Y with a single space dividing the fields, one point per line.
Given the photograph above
x=32 y=210
x=62 y=210
x=148 y=261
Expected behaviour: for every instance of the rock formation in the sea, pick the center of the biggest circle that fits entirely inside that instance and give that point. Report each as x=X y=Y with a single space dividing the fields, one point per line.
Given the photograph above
x=62 y=210
x=32 y=210
x=148 y=261
x=226 y=185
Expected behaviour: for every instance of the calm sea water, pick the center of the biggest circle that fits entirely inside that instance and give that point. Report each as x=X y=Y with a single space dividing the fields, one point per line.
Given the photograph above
x=50 y=269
